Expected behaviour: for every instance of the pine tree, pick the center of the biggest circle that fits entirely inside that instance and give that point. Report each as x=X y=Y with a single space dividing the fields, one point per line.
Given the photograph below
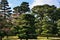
x=4 y=8
x=5 y=11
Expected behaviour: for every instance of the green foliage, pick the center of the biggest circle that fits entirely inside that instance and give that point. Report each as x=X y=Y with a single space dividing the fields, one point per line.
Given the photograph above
x=25 y=26
x=43 y=10
x=24 y=7
x=46 y=18
x=47 y=29
x=58 y=26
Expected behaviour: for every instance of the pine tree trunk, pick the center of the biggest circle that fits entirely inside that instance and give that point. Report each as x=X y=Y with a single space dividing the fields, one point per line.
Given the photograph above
x=7 y=37
x=20 y=39
x=26 y=39
x=47 y=37
x=0 y=38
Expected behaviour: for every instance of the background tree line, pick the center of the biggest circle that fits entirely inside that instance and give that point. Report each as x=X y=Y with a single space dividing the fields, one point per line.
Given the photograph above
x=41 y=20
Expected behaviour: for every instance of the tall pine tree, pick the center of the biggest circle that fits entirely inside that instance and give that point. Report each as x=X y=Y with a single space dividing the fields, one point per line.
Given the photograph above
x=4 y=8
x=5 y=11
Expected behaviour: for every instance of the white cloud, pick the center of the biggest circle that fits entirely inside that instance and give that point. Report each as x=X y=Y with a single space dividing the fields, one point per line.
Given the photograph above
x=10 y=4
x=41 y=2
x=0 y=0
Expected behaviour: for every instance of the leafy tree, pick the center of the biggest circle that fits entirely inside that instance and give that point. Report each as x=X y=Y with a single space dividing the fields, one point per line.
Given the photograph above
x=43 y=10
x=55 y=16
x=24 y=7
x=25 y=26
x=48 y=27
x=46 y=17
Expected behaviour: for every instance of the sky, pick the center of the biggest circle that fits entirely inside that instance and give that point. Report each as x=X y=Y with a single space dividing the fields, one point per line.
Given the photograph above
x=32 y=3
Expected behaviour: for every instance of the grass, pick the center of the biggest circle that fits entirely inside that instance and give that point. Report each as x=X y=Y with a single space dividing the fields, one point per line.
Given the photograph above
x=38 y=38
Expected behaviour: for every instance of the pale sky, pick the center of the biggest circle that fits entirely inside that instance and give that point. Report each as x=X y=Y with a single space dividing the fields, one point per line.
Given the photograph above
x=14 y=3
x=42 y=2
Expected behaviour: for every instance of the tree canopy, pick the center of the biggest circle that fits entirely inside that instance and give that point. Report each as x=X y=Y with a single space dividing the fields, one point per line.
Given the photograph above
x=24 y=7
